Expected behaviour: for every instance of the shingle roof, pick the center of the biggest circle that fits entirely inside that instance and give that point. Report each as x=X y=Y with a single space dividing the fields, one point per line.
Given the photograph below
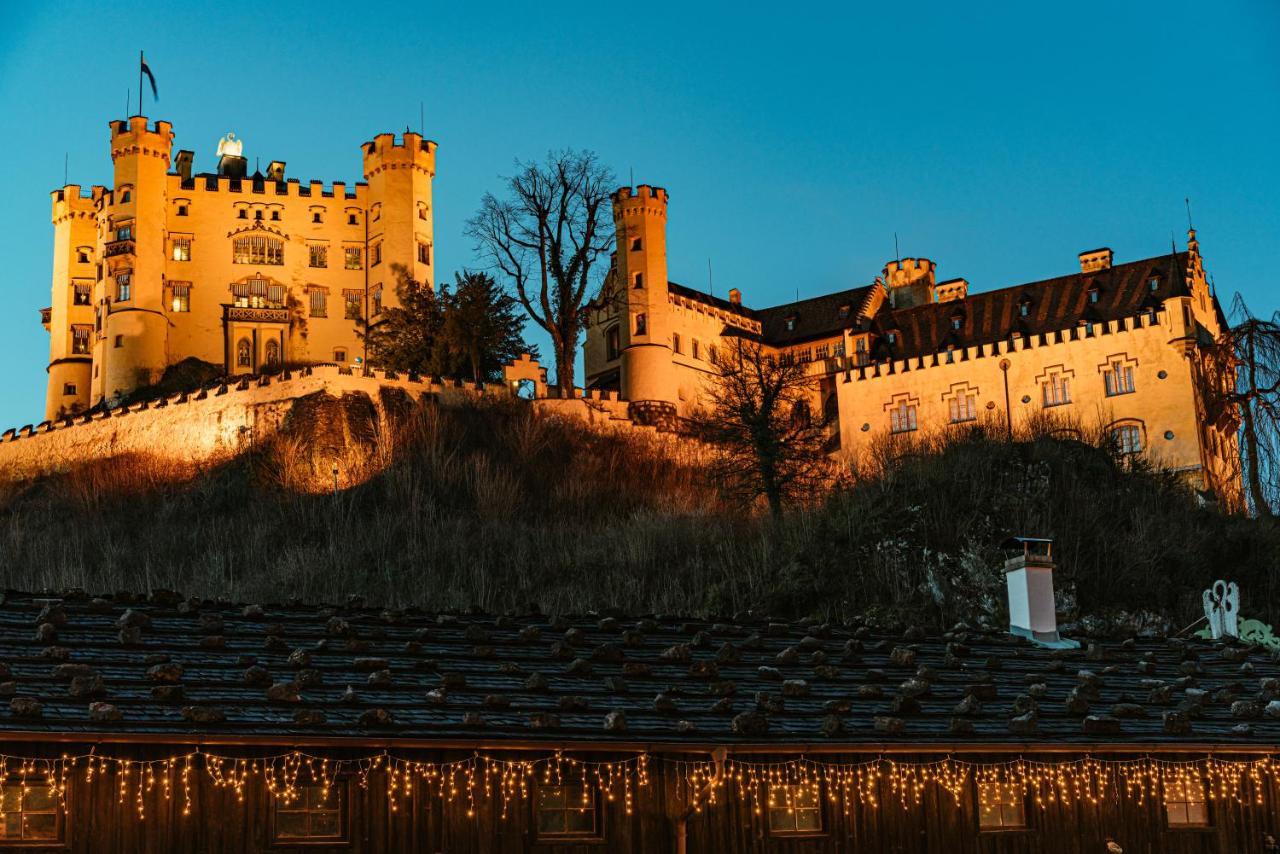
x=1055 y=304
x=816 y=317
x=178 y=668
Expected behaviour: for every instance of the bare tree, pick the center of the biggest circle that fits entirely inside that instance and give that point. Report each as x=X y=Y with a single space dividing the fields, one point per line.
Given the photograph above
x=759 y=421
x=545 y=236
x=1239 y=375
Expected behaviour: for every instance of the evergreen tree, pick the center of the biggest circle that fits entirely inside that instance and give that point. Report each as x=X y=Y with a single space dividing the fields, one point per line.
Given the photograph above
x=404 y=338
x=483 y=327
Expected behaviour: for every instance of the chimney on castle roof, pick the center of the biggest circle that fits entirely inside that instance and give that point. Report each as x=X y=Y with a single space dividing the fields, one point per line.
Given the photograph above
x=735 y=296
x=182 y=161
x=1029 y=577
x=1095 y=259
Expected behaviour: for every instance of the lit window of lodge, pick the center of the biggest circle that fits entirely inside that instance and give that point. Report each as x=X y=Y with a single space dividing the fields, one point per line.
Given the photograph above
x=316 y=815
x=30 y=812
x=795 y=810
x=1001 y=808
x=567 y=812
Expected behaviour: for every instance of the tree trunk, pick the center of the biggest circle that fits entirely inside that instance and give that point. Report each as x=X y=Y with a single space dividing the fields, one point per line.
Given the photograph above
x=564 y=367
x=1251 y=473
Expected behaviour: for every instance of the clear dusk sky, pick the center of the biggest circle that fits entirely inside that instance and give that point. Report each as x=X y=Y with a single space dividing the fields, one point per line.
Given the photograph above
x=795 y=139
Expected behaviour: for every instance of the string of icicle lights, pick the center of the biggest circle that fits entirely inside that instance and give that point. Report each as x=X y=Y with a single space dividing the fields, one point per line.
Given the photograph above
x=485 y=780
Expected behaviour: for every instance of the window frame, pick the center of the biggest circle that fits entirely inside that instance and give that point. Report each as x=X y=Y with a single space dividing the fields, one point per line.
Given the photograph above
x=179 y=298
x=904 y=416
x=797 y=832
x=613 y=343
x=595 y=836
x=1187 y=827
x=260 y=250
x=342 y=785
x=1060 y=382
x=1122 y=448
x=1024 y=827
x=61 y=826
x=1117 y=378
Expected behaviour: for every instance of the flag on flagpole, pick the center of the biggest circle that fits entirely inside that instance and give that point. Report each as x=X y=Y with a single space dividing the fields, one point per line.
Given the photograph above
x=146 y=69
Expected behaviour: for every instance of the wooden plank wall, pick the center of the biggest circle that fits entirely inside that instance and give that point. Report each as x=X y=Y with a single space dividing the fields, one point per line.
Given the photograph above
x=99 y=822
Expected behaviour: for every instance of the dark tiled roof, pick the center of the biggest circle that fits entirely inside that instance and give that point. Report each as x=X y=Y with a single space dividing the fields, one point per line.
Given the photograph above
x=1055 y=304
x=819 y=317
x=175 y=668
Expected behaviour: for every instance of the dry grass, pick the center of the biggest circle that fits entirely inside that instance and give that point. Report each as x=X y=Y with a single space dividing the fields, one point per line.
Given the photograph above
x=490 y=505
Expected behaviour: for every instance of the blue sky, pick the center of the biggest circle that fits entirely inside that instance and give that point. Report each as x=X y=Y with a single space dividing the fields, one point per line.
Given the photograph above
x=795 y=140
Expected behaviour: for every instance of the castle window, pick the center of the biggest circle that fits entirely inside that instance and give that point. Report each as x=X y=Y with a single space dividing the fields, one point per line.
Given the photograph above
x=272 y=352
x=844 y=310
x=69 y=389
x=80 y=339
x=695 y=352
x=424 y=253
x=243 y=213
x=675 y=342
x=319 y=300
x=83 y=256
x=641 y=324
x=275 y=216
x=119 y=341
x=182 y=210
x=353 y=260
x=838 y=349
x=244 y=353
x=1118 y=379
x=963 y=407
x=637 y=281
x=81 y=294
x=319 y=255
x=422 y=211
x=182 y=249
x=804 y=356
x=1024 y=308
x=352 y=304
x=124 y=232
x=1153 y=283
x=1094 y=295
x=635 y=244
x=612 y=343
x=951 y=354
x=126 y=196
x=375 y=255
x=257 y=249
x=1185 y=805
x=375 y=298
x=1001 y=808
x=31 y=811
x=567 y=812
x=1127 y=439
x=317 y=815
x=181 y=297
x=351 y=219
x=795 y=810
x=257 y=215
x=315 y=216
x=790 y=323
x=892 y=338
x=957 y=321
x=124 y=286
x=902 y=418
x=1057 y=390
x=822 y=351
x=258 y=293
x=339 y=356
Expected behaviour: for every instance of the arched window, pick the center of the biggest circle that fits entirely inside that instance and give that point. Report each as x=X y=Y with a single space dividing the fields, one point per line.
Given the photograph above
x=244 y=353
x=1127 y=437
x=257 y=249
x=273 y=353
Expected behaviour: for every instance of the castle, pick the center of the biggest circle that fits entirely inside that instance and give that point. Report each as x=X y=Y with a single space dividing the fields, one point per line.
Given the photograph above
x=251 y=273
x=247 y=272
x=1109 y=348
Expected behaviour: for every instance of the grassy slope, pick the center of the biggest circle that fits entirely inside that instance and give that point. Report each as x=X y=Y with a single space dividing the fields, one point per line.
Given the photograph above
x=491 y=506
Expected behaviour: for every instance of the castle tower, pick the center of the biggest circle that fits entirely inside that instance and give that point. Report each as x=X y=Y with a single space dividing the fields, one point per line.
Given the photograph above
x=399 y=215
x=133 y=349
x=910 y=281
x=70 y=314
x=640 y=222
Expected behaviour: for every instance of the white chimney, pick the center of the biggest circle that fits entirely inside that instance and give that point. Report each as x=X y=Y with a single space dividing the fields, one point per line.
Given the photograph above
x=1029 y=577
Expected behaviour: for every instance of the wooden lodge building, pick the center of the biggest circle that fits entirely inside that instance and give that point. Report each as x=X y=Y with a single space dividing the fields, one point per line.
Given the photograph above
x=159 y=723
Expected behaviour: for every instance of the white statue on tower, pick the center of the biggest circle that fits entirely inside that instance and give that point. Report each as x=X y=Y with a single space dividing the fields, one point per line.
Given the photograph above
x=229 y=146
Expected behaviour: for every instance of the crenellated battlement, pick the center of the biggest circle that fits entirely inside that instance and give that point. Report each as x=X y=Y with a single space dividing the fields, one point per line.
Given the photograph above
x=641 y=200
x=410 y=151
x=71 y=201
x=135 y=136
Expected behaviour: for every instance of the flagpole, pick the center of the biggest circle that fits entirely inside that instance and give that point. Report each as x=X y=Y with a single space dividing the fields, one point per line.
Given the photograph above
x=141 y=62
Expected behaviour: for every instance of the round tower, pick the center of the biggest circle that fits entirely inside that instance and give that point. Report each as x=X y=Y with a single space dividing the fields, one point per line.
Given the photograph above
x=648 y=378
x=70 y=313
x=910 y=281
x=135 y=329
x=399 y=213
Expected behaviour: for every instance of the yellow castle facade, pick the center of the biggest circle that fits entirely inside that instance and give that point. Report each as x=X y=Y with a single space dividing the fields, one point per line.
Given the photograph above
x=246 y=272
x=1108 y=349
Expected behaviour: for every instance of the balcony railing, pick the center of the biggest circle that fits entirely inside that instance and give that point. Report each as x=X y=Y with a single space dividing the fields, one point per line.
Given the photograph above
x=255 y=315
x=118 y=247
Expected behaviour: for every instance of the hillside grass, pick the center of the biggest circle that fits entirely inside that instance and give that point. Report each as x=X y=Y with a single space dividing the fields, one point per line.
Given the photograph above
x=493 y=506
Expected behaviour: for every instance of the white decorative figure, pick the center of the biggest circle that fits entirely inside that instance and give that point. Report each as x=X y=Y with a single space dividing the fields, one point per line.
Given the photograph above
x=1222 y=609
x=229 y=146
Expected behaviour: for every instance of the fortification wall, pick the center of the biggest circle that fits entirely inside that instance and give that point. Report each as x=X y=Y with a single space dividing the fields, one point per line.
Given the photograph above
x=200 y=427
